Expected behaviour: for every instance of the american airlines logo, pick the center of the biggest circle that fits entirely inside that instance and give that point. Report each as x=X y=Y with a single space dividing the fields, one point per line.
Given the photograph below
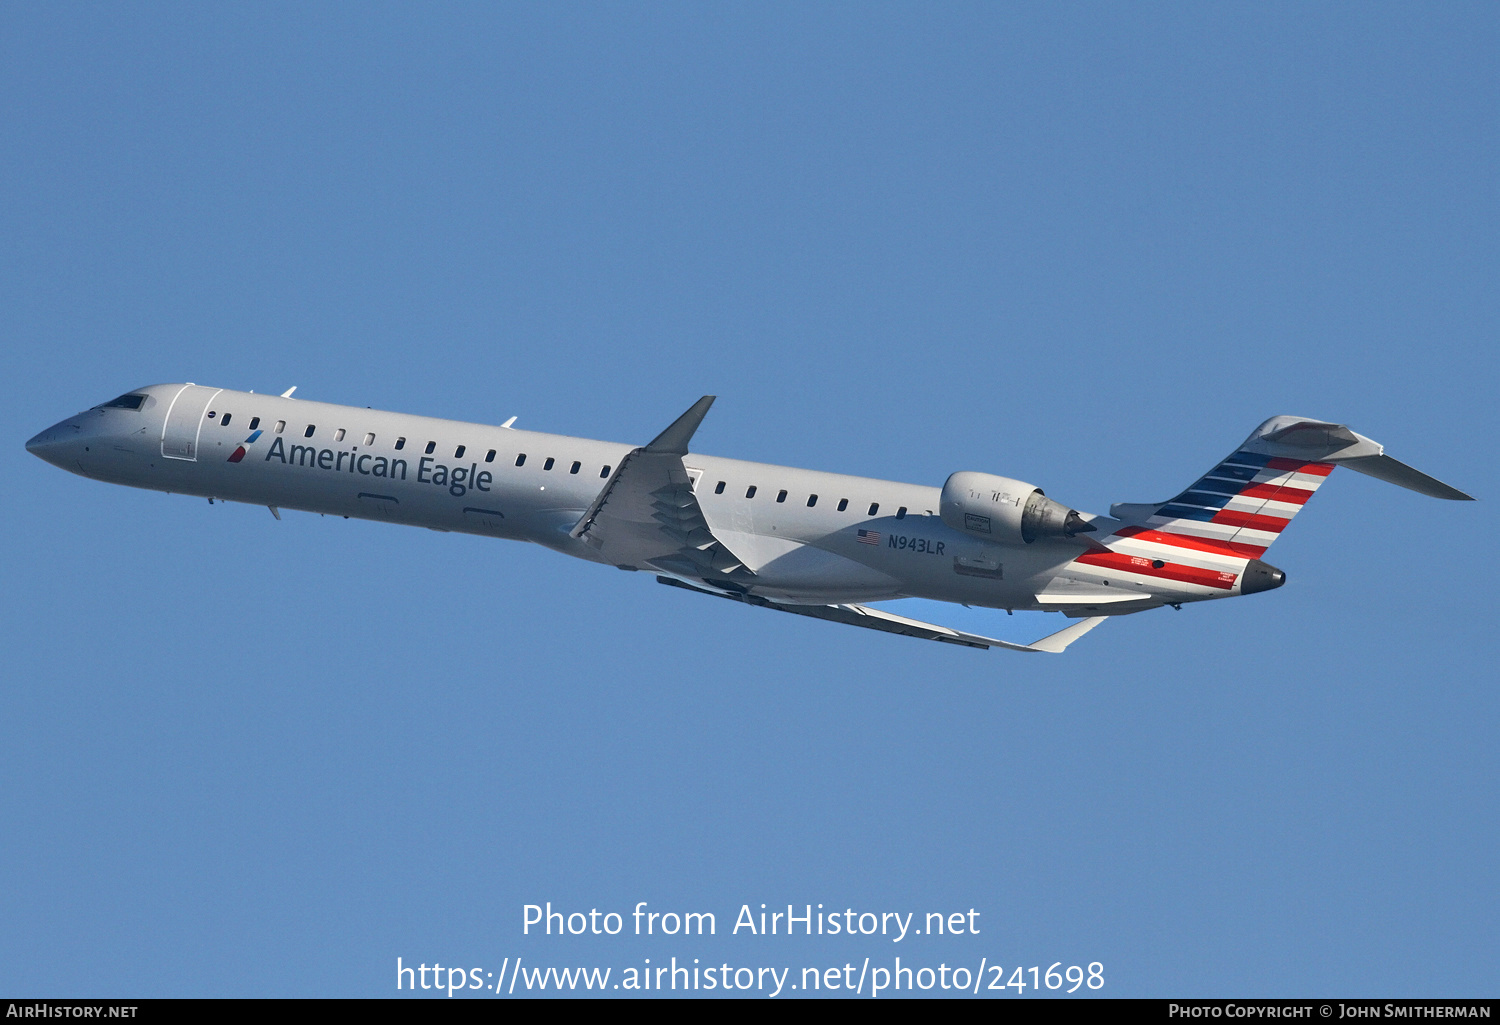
x=239 y=452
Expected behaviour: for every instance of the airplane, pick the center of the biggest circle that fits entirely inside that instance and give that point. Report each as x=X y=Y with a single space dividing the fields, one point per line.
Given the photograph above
x=815 y=544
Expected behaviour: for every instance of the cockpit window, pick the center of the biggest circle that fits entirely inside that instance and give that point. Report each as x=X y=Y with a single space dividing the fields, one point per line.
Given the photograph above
x=124 y=402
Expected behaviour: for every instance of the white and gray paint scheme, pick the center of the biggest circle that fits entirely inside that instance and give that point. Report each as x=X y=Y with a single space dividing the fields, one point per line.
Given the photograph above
x=801 y=541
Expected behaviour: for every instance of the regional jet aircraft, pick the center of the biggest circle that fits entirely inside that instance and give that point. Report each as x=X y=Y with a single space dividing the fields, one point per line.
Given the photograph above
x=800 y=541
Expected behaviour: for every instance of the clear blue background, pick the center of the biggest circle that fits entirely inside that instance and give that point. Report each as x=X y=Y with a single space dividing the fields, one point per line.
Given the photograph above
x=1089 y=246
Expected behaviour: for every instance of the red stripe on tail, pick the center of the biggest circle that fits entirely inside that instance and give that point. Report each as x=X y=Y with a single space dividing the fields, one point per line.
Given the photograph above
x=1298 y=466
x=1167 y=571
x=1230 y=518
x=1229 y=549
x=1277 y=493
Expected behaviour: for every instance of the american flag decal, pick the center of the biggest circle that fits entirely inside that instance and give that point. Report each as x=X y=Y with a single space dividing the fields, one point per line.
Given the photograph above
x=869 y=537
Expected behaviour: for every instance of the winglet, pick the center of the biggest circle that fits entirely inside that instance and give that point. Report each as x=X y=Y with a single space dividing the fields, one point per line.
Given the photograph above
x=674 y=440
x=1055 y=643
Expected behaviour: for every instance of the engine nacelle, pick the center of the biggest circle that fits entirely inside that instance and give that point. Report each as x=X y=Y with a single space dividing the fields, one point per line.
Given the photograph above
x=1005 y=511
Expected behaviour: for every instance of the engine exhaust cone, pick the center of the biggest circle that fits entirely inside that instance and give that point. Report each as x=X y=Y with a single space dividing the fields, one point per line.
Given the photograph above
x=1075 y=524
x=1046 y=518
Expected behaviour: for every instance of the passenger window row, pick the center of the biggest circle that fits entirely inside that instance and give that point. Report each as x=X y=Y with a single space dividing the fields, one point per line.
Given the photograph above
x=369 y=439
x=812 y=500
x=550 y=462
x=458 y=453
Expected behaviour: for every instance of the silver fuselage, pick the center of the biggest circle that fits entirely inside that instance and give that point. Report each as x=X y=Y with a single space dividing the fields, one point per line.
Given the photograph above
x=528 y=486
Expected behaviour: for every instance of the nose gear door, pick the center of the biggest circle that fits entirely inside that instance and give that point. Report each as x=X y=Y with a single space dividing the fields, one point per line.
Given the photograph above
x=184 y=422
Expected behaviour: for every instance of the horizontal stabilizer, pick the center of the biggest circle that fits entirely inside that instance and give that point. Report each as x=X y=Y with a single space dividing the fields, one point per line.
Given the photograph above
x=1394 y=471
x=1337 y=444
x=876 y=619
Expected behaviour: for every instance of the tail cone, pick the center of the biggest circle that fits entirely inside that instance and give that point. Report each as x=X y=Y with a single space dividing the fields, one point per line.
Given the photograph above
x=1260 y=576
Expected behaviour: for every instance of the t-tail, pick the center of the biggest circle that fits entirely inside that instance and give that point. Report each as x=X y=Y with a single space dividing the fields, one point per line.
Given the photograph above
x=1241 y=506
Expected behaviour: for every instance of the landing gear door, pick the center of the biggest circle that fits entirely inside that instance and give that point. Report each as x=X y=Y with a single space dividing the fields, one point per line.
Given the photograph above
x=184 y=422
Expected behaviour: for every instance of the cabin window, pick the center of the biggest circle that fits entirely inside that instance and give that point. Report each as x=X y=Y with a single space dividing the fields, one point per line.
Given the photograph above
x=720 y=489
x=781 y=496
x=431 y=447
x=309 y=432
x=812 y=500
x=521 y=459
x=458 y=453
x=576 y=466
x=548 y=464
x=225 y=422
x=254 y=422
x=843 y=504
x=400 y=444
x=489 y=456
x=338 y=435
x=212 y=414
x=901 y=513
x=750 y=491
x=874 y=508
x=369 y=440
x=604 y=472
x=280 y=426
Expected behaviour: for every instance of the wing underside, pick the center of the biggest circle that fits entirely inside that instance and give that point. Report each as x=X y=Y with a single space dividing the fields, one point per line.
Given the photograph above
x=887 y=622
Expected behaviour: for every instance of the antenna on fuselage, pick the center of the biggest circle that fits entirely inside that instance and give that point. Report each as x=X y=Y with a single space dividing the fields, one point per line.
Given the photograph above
x=508 y=423
x=288 y=393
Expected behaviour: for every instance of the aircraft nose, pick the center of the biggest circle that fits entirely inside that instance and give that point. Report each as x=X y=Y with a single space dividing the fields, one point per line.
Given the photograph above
x=53 y=444
x=37 y=445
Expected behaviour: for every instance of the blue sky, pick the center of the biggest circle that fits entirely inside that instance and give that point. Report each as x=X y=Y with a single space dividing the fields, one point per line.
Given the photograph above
x=1089 y=246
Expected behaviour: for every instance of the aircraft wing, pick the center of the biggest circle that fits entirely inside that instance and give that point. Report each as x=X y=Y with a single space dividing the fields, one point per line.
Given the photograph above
x=876 y=619
x=647 y=512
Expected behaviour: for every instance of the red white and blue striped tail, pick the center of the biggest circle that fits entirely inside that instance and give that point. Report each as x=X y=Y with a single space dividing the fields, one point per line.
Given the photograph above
x=1243 y=504
x=1238 y=508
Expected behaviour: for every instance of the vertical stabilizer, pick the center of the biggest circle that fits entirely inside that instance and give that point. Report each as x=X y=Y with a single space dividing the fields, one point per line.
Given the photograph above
x=1244 y=503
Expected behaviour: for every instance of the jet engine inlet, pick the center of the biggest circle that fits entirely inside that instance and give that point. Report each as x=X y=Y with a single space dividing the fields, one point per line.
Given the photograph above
x=1260 y=576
